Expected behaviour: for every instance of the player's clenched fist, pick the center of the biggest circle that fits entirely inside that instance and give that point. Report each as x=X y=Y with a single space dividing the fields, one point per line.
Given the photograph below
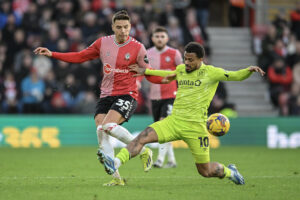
x=43 y=51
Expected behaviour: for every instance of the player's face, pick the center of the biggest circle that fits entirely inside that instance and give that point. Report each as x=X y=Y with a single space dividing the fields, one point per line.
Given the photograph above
x=121 y=29
x=192 y=62
x=160 y=39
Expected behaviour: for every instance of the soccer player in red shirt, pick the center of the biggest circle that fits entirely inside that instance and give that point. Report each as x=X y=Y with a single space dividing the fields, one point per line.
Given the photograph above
x=119 y=89
x=163 y=57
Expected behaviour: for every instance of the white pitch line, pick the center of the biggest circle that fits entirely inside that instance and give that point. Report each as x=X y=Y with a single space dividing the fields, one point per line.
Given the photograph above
x=138 y=177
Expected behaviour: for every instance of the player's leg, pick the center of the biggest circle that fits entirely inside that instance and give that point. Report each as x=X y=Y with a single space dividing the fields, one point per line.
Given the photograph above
x=165 y=111
x=104 y=139
x=106 y=146
x=161 y=109
x=120 y=111
x=162 y=150
x=161 y=131
x=214 y=169
x=199 y=146
x=132 y=149
x=171 y=156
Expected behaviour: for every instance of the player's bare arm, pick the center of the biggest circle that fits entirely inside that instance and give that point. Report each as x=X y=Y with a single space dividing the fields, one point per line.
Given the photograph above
x=43 y=51
x=257 y=69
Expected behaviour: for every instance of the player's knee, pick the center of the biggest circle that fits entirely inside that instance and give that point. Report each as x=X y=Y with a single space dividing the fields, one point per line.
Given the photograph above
x=107 y=128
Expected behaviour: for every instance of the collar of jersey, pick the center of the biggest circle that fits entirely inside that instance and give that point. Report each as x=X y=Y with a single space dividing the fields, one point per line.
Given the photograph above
x=124 y=43
x=163 y=50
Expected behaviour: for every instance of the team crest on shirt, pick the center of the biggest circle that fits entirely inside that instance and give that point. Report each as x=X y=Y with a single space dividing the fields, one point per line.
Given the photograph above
x=127 y=56
x=167 y=59
x=201 y=73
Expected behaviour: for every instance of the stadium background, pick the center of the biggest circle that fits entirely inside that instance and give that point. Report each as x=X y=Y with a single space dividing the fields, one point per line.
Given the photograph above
x=263 y=112
x=257 y=32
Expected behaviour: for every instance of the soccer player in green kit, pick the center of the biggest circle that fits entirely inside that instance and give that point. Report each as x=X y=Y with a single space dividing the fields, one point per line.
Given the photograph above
x=197 y=84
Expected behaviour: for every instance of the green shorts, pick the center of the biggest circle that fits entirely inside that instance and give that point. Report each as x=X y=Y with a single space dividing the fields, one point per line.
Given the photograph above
x=194 y=134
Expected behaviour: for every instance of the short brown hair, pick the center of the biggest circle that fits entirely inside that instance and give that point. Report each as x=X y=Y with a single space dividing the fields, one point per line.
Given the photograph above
x=160 y=29
x=121 y=15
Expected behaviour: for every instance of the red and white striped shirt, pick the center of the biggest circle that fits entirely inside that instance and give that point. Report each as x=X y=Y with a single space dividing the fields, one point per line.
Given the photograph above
x=117 y=79
x=166 y=59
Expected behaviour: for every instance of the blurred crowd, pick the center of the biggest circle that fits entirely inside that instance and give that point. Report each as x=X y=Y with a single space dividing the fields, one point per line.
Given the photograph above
x=37 y=84
x=277 y=47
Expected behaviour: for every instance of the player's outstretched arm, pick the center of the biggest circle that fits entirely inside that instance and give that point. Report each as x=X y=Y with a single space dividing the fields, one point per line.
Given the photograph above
x=43 y=51
x=256 y=69
x=240 y=75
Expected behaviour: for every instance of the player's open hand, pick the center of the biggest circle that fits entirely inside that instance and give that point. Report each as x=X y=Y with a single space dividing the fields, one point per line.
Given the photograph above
x=256 y=69
x=135 y=68
x=43 y=51
x=168 y=79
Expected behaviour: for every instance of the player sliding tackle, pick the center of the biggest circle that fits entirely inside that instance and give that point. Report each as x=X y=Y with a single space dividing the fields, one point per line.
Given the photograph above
x=197 y=84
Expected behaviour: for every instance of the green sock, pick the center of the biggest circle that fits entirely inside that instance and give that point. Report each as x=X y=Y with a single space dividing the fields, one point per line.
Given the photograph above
x=123 y=155
x=227 y=172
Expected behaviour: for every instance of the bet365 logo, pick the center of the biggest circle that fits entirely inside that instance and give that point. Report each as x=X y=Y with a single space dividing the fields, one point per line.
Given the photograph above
x=31 y=137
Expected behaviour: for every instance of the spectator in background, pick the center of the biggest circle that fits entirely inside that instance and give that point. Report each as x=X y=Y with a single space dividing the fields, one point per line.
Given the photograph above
x=202 y=12
x=175 y=31
x=280 y=23
x=236 y=12
x=51 y=86
x=53 y=36
x=193 y=27
x=87 y=103
x=202 y=9
x=268 y=43
x=33 y=89
x=294 y=100
x=147 y=13
x=31 y=19
x=98 y=5
x=10 y=101
x=6 y=11
x=137 y=27
x=3 y=60
x=72 y=92
x=295 y=21
x=166 y=14
x=23 y=66
x=64 y=13
x=89 y=28
x=280 y=78
x=279 y=50
x=294 y=58
x=61 y=69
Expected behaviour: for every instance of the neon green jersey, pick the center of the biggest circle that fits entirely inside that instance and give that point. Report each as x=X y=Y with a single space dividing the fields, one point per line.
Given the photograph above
x=196 y=89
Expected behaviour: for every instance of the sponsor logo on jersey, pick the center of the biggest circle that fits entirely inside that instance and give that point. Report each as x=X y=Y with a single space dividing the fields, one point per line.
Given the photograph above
x=189 y=83
x=167 y=59
x=127 y=56
x=108 y=69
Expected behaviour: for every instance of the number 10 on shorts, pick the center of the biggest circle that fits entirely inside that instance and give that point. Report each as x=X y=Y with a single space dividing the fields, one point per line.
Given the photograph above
x=204 y=141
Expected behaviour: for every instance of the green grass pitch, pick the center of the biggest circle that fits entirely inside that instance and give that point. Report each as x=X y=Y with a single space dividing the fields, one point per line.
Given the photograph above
x=74 y=173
